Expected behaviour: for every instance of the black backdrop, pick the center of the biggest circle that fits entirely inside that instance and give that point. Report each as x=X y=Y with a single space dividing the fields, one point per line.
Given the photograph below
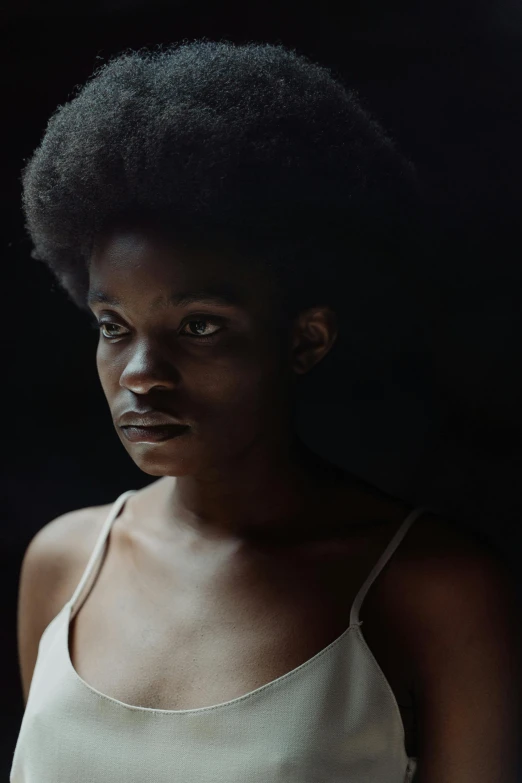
x=445 y=79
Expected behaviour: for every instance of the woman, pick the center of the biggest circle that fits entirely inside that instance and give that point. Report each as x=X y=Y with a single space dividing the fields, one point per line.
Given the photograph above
x=202 y=204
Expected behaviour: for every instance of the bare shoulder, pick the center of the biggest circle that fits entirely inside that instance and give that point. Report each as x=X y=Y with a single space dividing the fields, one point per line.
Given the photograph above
x=438 y=550
x=53 y=563
x=442 y=587
x=62 y=540
x=54 y=556
x=437 y=556
x=435 y=539
x=50 y=564
x=445 y=579
x=457 y=613
x=68 y=540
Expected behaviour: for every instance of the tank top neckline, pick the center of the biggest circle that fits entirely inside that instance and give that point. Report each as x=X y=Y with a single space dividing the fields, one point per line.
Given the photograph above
x=273 y=684
x=222 y=705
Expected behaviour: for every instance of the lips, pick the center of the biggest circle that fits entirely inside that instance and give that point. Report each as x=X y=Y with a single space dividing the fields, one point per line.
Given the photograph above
x=148 y=419
x=153 y=434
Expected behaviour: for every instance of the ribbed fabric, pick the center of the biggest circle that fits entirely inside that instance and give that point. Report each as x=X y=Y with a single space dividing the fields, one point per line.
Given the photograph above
x=333 y=719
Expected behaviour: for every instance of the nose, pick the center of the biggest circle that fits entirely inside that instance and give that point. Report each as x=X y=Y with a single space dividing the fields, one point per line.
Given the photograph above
x=148 y=368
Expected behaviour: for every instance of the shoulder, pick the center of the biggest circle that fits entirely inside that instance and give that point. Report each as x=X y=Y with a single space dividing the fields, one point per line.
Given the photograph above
x=441 y=558
x=66 y=532
x=55 y=538
x=457 y=613
x=68 y=540
x=452 y=593
x=438 y=550
x=442 y=581
x=53 y=563
x=50 y=564
x=57 y=550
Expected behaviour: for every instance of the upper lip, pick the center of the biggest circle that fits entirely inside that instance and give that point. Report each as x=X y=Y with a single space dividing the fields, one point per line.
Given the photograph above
x=147 y=419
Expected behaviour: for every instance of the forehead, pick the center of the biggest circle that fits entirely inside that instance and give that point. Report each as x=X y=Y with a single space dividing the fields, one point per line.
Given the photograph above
x=129 y=250
x=143 y=259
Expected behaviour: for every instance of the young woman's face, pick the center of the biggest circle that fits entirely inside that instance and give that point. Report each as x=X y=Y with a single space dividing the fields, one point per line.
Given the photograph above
x=221 y=367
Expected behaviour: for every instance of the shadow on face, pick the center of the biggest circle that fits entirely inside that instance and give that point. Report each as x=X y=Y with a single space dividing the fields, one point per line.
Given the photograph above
x=198 y=336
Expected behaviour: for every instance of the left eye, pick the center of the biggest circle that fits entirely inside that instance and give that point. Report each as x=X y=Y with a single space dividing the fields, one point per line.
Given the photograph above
x=202 y=321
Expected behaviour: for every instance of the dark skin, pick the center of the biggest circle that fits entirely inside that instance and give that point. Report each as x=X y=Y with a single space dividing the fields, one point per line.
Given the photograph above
x=240 y=481
x=241 y=470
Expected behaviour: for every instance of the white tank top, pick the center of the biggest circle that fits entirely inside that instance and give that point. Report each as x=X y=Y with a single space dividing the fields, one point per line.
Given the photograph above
x=333 y=719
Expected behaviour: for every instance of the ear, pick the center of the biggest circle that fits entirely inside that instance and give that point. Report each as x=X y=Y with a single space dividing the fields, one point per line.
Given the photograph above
x=313 y=335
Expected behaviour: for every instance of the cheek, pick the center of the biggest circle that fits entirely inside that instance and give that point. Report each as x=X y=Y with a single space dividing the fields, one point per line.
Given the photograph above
x=251 y=386
x=108 y=374
x=241 y=389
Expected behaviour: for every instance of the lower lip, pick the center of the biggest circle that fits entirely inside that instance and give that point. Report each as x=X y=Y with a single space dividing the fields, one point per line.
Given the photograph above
x=153 y=434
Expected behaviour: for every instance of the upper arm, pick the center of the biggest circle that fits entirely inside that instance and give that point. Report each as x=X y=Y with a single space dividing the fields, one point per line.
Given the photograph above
x=466 y=652
x=43 y=582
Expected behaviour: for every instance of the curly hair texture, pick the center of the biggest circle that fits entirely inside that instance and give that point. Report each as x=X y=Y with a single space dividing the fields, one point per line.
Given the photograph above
x=251 y=144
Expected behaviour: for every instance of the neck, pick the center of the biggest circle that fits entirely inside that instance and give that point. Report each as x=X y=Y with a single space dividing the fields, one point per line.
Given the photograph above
x=261 y=498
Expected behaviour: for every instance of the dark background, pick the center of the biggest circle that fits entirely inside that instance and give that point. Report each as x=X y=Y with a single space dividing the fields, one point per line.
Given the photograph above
x=445 y=80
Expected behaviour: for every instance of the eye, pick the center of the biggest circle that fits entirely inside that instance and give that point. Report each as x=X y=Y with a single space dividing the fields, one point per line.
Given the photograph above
x=103 y=325
x=199 y=321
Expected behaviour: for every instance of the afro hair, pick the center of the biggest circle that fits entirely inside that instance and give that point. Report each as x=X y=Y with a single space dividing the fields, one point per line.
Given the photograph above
x=253 y=142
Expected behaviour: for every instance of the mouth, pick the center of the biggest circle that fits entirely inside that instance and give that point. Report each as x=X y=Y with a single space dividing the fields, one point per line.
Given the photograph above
x=154 y=434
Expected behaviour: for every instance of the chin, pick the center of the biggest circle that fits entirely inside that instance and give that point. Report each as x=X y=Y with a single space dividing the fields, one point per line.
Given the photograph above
x=155 y=465
x=160 y=459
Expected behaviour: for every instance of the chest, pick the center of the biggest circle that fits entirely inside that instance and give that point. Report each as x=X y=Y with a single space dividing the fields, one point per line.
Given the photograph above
x=194 y=636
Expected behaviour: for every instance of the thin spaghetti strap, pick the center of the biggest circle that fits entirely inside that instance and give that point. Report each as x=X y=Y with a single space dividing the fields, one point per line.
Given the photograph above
x=91 y=571
x=386 y=555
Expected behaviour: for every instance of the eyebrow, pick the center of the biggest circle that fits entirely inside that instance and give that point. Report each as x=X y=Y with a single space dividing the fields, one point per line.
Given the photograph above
x=214 y=296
